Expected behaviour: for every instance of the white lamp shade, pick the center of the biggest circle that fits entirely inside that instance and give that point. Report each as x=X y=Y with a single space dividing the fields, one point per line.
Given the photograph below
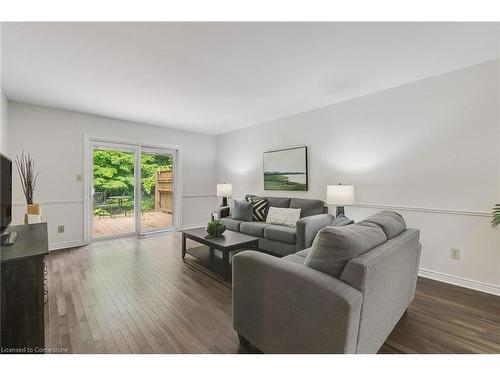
x=224 y=190
x=340 y=195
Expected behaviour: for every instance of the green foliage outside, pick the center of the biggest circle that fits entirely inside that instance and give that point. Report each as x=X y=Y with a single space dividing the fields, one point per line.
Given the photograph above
x=114 y=176
x=113 y=172
x=148 y=203
x=98 y=211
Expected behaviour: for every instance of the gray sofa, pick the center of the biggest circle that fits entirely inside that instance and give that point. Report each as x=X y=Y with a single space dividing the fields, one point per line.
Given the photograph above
x=282 y=306
x=278 y=239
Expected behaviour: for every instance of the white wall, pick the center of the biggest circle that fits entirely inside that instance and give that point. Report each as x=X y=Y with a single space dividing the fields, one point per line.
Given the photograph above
x=55 y=138
x=431 y=144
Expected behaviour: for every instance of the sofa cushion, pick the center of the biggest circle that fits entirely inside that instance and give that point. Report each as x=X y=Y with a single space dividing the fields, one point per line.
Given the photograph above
x=253 y=228
x=232 y=224
x=308 y=207
x=391 y=222
x=282 y=202
x=303 y=253
x=299 y=257
x=295 y=259
x=281 y=233
x=277 y=248
x=242 y=210
x=333 y=247
x=283 y=216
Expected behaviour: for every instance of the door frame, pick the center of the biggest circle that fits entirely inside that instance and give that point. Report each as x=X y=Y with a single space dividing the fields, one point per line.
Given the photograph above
x=88 y=142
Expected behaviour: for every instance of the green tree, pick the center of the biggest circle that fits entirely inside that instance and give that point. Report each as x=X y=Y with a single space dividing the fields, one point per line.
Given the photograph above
x=150 y=164
x=114 y=171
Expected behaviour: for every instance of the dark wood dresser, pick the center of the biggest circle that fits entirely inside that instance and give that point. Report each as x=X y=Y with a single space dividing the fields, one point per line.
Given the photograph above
x=23 y=293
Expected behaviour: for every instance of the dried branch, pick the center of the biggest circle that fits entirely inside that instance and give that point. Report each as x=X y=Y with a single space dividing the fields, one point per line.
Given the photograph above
x=26 y=170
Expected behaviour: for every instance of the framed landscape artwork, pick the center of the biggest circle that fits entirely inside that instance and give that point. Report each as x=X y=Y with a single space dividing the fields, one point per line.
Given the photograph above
x=286 y=169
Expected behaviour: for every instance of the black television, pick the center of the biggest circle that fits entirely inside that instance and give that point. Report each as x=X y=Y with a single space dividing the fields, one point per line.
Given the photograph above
x=5 y=192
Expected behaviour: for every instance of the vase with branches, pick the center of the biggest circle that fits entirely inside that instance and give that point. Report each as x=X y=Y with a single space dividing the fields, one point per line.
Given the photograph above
x=496 y=216
x=28 y=176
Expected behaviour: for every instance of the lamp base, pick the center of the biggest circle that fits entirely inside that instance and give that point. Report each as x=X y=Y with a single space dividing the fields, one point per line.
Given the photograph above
x=224 y=202
x=340 y=210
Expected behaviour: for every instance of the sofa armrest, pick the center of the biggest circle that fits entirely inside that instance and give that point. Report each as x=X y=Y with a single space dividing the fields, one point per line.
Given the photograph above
x=309 y=226
x=284 y=307
x=223 y=211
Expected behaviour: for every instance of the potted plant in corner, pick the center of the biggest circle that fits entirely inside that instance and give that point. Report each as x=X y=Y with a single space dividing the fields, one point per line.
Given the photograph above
x=28 y=176
x=496 y=216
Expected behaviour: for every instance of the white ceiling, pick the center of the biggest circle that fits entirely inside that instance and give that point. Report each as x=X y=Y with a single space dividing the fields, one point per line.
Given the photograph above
x=217 y=77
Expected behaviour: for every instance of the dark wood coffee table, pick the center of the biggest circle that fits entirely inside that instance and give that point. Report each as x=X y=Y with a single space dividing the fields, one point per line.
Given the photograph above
x=218 y=262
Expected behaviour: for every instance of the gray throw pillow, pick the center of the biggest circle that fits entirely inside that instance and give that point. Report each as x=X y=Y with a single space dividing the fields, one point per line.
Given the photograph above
x=341 y=220
x=333 y=247
x=242 y=211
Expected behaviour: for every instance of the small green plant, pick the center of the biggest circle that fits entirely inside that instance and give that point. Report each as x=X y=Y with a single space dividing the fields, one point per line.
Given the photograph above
x=215 y=228
x=496 y=216
x=98 y=211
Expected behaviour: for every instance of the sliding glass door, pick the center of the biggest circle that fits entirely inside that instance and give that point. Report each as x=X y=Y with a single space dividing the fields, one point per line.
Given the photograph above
x=157 y=189
x=133 y=189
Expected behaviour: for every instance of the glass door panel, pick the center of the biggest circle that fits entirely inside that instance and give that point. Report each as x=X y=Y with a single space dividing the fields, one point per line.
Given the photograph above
x=113 y=190
x=157 y=189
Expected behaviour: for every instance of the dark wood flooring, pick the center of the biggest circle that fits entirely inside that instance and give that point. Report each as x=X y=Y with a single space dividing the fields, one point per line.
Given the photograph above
x=138 y=296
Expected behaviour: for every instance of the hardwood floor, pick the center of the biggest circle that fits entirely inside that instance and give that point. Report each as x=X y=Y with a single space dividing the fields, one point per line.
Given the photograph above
x=444 y=318
x=138 y=296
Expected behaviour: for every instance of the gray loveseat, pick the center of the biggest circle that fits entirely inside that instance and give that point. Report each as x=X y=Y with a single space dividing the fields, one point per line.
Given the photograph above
x=281 y=240
x=282 y=306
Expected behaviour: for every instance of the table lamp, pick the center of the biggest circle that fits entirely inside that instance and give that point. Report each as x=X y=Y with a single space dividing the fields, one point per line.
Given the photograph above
x=340 y=195
x=224 y=191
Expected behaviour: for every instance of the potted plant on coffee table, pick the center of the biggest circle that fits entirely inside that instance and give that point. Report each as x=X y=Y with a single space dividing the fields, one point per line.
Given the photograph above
x=215 y=228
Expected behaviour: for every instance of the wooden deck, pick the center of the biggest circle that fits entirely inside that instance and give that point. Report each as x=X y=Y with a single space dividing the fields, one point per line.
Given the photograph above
x=138 y=296
x=107 y=226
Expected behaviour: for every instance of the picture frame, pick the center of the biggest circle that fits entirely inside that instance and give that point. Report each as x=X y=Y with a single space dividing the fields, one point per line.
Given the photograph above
x=286 y=169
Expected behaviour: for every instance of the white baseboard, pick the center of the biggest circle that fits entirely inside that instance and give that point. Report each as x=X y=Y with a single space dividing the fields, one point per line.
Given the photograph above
x=65 y=245
x=460 y=281
x=193 y=226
